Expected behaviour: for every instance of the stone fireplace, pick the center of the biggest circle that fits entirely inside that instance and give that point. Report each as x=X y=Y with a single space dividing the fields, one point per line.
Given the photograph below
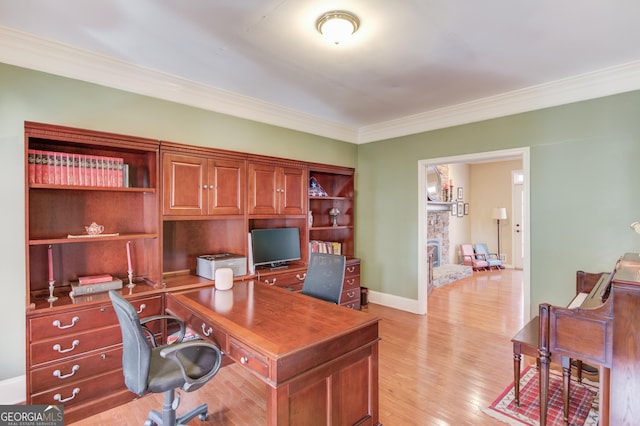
x=436 y=243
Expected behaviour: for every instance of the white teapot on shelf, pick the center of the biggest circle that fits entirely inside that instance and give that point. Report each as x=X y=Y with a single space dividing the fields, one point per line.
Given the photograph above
x=94 y=229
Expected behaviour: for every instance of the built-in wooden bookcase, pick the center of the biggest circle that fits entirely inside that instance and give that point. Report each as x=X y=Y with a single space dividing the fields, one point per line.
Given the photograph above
x=338 y=183
x=59 y=209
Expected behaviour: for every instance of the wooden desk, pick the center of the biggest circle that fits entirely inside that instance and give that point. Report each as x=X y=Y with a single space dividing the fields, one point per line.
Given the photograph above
x=318 y=360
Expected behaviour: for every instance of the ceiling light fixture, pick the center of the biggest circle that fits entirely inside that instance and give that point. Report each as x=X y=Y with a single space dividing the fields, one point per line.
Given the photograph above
x=337 y=26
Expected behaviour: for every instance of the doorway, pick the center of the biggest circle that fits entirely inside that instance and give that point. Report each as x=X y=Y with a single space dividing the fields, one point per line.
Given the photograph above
x=423 y=165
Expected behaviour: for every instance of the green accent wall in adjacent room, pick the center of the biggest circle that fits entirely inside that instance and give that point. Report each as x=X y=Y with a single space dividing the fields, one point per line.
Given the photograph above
x=584 y=194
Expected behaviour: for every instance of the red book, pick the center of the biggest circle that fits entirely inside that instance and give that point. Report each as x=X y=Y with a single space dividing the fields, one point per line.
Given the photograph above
x=31 y=156
x=94 y=279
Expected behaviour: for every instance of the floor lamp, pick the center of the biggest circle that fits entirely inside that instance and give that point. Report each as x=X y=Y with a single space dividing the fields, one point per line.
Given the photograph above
x=499 y=213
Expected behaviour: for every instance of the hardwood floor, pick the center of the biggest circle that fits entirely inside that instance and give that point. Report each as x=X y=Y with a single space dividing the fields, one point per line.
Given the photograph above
x=439 y=369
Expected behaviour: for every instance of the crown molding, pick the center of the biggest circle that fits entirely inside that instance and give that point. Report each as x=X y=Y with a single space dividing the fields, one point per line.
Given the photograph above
x=28 y=51
x=596 y=84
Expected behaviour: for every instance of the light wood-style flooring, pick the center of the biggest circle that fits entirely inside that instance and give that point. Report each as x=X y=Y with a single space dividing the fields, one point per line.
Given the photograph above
x=439 y=369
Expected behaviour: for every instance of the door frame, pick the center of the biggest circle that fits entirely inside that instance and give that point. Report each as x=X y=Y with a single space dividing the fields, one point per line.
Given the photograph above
x=501 y=155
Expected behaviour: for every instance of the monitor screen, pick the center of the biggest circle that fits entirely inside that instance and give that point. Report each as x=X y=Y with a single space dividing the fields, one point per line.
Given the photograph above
x=275 y=246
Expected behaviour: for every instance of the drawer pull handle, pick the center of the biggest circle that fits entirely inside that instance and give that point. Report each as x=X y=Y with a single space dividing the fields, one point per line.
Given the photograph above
x=244 y=360
x=57 y=323
x=58 y=397
x=351 y=281
x=351 y=293
x=301 y=278
x=351 y=269
x=58 y=348
x=207 y=332
x=270 y=283
x=142 y=307
x=59 y=375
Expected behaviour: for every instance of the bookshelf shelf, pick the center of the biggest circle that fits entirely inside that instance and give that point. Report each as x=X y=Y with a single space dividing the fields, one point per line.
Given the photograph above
x=66 y=240
x=330 y=228
x=90 y=188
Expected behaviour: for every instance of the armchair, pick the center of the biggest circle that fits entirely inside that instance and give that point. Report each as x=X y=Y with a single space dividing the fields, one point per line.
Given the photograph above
x=492 y=258
x=469 y=257
x=325 y=277
x=146 y=368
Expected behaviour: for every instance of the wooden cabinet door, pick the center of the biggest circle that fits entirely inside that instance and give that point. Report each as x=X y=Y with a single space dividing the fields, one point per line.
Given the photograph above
x=276 y=190
x=292 y=191
x=183 y=179
x=226 y=186
x=263 y=189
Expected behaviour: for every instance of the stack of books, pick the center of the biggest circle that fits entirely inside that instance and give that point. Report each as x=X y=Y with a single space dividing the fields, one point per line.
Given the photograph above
x=62 y=168
x=94 y=284
x=331 y=247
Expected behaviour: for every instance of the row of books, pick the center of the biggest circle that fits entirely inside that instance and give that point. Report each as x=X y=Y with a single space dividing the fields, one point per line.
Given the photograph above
x=331 y=247
x=62 y=168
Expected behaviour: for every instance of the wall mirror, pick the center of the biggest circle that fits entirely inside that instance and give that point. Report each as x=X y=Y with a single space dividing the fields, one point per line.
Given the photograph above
x=434 y=183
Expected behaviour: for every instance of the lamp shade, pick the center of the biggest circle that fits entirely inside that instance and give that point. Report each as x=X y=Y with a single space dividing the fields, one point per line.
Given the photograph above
x=499 y=213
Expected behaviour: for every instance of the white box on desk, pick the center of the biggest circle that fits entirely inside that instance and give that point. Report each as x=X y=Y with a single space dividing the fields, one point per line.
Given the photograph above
x=208 y=263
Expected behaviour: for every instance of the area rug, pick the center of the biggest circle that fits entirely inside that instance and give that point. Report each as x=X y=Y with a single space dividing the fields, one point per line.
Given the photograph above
x=446 y=274
x=583 y=409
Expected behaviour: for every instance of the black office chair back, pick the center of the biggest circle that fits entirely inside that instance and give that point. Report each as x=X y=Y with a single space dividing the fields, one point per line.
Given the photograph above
x=325 y=277
x=136 y=356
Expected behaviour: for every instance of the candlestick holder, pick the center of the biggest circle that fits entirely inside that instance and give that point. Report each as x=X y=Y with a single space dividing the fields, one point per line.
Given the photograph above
x=131 y=284
x=51 y=297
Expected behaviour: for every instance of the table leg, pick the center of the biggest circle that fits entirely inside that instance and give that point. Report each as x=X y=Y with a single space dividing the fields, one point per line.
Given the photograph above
x=516 y=377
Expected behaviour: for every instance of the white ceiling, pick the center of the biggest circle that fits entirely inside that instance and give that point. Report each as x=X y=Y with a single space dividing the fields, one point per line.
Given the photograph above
x=413 y=65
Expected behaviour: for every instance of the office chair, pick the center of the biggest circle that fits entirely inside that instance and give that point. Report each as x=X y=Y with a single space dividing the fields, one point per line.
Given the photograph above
x=325 y=277
x=146 y=368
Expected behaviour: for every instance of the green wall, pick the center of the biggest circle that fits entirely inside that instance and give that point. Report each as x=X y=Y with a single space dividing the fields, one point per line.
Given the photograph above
x=584 y=174
x=27 y=95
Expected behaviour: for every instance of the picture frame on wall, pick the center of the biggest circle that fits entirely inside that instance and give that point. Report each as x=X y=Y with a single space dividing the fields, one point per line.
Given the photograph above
x=460 y=209
x=454 y=209
x=466 y=208
x=460 y=193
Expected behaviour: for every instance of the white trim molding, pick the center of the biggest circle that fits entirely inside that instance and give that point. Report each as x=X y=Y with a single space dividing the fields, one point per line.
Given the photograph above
x=13 y=390
x=28 y=51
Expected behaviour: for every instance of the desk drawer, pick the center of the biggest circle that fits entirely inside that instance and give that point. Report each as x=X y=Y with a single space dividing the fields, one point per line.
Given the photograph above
x=73 y=370
x=81 y=391
x=204 y=329
x=76 y=344
x=72 y=322
x=289 y=279
x=352 y=269
x=350 y=295
x=248 y=357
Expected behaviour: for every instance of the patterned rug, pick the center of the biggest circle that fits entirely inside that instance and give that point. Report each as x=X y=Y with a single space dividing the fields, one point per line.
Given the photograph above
x=583 y=407
x=446 y=274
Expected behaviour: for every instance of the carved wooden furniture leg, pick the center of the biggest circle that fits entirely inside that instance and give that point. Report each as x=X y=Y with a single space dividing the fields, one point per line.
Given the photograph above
x=545 y=361
x=516 y=377
x=566 y=390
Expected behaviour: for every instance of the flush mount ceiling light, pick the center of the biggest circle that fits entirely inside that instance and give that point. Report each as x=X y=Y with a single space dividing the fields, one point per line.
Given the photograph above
x=337 y=26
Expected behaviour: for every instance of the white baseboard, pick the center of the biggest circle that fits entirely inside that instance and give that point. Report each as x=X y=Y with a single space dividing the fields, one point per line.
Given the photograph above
x=396 y=302
x=13 y=390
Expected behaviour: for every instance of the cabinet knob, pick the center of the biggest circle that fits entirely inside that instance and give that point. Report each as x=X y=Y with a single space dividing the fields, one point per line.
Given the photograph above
x=59 y=375
x=142 y=307
x=206 y=186
x=58 y=348
x=59 y=398
x=207 y=332
x=244 y=360
x=58 y=324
